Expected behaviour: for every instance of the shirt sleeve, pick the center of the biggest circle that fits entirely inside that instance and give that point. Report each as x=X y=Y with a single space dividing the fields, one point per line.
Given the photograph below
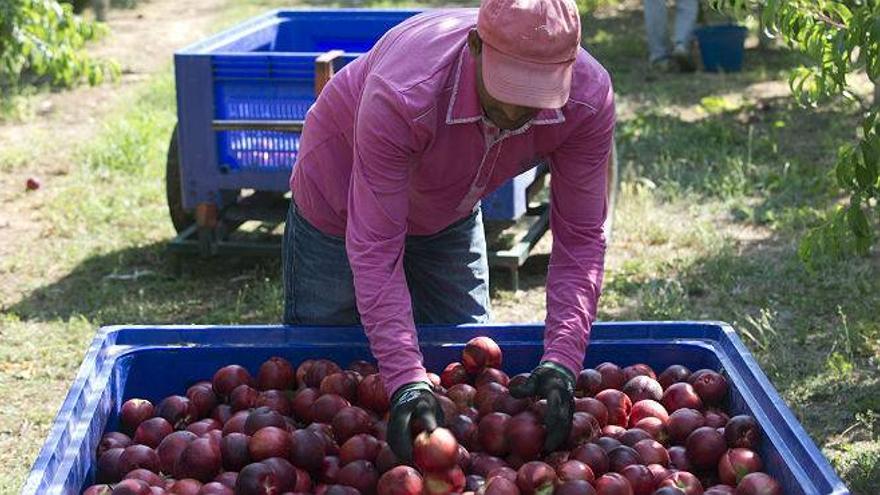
x=384 y=152
x=578 y=207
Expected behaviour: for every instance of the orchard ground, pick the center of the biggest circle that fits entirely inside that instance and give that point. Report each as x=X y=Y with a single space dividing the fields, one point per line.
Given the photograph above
x=722 y=174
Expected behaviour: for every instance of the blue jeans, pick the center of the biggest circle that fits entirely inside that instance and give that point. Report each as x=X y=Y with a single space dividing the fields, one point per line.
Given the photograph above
x=655 y=26
x=447 y=274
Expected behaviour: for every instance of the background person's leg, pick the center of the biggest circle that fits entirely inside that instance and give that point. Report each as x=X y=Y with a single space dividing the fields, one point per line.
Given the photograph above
x=656 y=18
x=685 y=22
x=448 y=274
x=318 y=285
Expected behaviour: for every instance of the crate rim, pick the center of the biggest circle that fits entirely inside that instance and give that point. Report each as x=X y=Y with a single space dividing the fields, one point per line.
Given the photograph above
x=105 y=334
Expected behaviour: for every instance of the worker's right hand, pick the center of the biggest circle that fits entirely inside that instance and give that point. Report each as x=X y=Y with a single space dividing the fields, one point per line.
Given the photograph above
x=413 y=408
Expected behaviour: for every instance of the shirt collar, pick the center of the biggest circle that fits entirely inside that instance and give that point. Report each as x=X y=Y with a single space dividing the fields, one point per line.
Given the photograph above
x=464 y=104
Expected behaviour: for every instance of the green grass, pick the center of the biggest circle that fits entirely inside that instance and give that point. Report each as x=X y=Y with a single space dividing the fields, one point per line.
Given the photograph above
x=720 y=183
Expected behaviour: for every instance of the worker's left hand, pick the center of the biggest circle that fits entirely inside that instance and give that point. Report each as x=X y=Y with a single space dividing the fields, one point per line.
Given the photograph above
x=413 y=407
x=555 y=383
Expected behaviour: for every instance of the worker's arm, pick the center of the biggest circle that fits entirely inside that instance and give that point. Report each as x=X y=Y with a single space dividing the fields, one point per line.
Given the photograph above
x=578 y=191
x=384 y=152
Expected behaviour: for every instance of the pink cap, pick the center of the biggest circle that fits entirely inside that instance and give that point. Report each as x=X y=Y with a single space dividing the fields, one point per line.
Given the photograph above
x=529 y=48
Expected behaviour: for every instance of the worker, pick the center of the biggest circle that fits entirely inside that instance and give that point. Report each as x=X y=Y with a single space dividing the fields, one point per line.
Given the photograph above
x=384 y=227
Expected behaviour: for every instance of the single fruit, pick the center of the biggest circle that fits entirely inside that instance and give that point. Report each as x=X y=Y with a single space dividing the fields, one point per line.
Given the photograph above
x=134 y=412
x=200 y=460
x=453 y=374
x=643 y=387
x=613 y=484
x=256 y=479
x=359 y=447
x=149 y=477
x=684 y=481
x=276 y=373
x=536 y=477
x=131 y=487
x=152 y=431
x=574 y=470
x=584 y=428
x=464 y=429
x=716 y=418
x=710 y=386
x=319 y=370
x=652 y=452
x=325 y=408
x=683 y=422
x=481 y=352
x=136 y=457
x=647 y=409
x=618 y=404
x=234 y=451
x=736 y=463
x=592 y=406
x=491 y=434
x=742 y=431
x=343 y=383
x=462 y=394
x=243 y=397
x=329 y=470
x=589 y=383
x=276 y=400
x=371 y=394
x=365 y=368
x=758 y=484
x=308 y=450
x=32 y=184
x=401 y=480
x=361 y=475
x=525 y=434
x=621 y=457
x=482 y=464
x=500 y=486
x=262 y=417
x=575 y=487
x=655 y=427
x=705 y=446
x=443 y=482
x=593 y=456
x=640 y=478
x=681 y=395
x=490 y=375
x=113 y=440
x=350 y=421
x=633 y=435
x=215 y=488
x=171 y=448
x=228 y=377
x=178 y=410
x=203 y=399
x=638 y=369
x=235 y=424
x=607 y=443
x=302 y=404
x=108 y=468
x=435 y=451
x=286 y=475
x=204 y=426
x=679 y=459
x=269 y=442
x=673 y=374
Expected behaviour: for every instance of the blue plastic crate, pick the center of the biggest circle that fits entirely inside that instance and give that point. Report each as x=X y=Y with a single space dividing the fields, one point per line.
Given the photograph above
x=153 y=362
x=263 y=69
x=722 y=47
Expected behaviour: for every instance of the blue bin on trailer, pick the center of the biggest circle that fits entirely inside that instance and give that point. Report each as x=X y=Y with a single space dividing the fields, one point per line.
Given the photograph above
x=153 y=362
x=235 y=89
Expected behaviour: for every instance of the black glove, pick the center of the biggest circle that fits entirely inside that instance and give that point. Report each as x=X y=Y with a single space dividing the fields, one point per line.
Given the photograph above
x=555 y=383
x=413 y=408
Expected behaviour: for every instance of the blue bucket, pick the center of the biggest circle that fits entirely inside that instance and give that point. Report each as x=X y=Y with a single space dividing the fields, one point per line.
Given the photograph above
x=722 y=47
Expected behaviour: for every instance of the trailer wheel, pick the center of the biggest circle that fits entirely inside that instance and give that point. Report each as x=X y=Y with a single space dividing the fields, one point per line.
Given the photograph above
x=174 y=189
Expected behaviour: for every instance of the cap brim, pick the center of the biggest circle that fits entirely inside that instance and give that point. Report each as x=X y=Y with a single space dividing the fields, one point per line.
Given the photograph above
x=528 y=84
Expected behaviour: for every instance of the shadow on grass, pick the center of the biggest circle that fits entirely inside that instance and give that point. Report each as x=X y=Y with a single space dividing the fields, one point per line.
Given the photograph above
x=141 y=285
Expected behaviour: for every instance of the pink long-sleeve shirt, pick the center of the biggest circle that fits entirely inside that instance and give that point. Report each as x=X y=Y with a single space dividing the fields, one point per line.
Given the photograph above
x=396 y=144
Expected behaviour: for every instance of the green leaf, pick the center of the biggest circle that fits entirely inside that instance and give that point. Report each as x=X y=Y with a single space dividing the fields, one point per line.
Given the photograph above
x=858 y=221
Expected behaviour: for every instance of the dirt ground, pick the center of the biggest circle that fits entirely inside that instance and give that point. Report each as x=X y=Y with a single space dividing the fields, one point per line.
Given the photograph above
x=143 y=41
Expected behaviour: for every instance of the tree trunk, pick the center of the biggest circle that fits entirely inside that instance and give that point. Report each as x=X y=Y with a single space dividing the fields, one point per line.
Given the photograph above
x=877 y=94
